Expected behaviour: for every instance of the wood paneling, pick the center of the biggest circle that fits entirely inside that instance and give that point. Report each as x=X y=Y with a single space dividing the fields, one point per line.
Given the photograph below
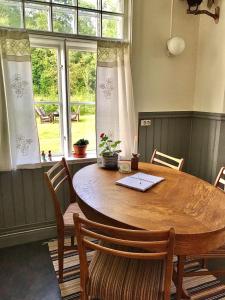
x=26 y=209
x=203 y=148
x=169 y=133
x=198 y=137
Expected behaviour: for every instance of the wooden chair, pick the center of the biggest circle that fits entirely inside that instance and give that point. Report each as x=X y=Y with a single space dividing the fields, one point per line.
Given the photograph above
x=43 y=116
x=56 y=177
x=215 y=254
x=128 y=264
x=75 y=116
x=171 y=162
x=220 y=180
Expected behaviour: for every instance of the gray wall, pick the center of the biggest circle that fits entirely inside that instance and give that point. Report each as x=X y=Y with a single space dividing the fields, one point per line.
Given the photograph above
x=196 y=136
x=26 y=210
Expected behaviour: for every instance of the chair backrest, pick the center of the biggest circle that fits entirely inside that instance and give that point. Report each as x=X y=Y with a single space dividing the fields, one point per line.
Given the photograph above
x=157 y=245
x=56 y=177
x=42 y=111
x=78 y=110
x=38 y=111
x=220 y=180
x=171 y=162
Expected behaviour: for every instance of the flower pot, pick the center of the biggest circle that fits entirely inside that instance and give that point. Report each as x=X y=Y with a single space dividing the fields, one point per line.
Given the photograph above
x=79 y=151
x=110 y=162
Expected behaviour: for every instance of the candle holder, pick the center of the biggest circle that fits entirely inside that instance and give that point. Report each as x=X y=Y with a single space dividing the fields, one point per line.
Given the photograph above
x=134 y=161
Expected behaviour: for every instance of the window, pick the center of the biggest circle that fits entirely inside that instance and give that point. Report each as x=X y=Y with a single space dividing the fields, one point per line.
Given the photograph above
x=93 y=18
x=64 y=70
x=64 y=94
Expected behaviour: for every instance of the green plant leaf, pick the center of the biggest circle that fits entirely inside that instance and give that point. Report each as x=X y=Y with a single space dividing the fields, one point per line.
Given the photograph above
x=105 y=138
x=101 y=144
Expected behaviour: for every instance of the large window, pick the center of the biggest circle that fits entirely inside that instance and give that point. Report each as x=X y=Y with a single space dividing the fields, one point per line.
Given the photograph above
x=64 y=84
x=94 y=18
x=64 y=69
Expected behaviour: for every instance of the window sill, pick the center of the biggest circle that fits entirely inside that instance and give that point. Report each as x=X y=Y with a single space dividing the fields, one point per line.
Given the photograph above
x=91 y=157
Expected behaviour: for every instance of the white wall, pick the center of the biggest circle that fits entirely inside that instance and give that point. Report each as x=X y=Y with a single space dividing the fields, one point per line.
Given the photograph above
x=210 y=72
x=163 y=83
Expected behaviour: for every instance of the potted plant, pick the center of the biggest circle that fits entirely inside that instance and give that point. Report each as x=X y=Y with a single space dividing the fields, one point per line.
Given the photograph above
x=80 y=148
x=109 y=152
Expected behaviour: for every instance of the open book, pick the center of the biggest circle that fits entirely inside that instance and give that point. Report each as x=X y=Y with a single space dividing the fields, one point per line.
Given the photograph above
x=139 y=181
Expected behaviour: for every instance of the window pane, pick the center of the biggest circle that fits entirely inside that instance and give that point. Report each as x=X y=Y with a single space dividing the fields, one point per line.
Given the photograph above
x=45 y=74
x=113 y=5
x=88 y=23
x=45 y=88
x=48 y=128
x=64 y=20
x=85 y=127
x=89 y=3
x=82 y=74
x=66 y=2
x=112 y=26
x=11 y=14
x=82 y=80
x=37 y=16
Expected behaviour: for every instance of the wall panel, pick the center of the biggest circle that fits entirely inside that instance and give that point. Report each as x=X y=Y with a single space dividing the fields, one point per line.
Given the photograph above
x=26 y=208
x=197 y=137
x=168 y=132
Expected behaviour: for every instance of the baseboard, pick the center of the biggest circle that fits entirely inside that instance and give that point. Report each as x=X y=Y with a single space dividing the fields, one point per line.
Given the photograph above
x=27 y=236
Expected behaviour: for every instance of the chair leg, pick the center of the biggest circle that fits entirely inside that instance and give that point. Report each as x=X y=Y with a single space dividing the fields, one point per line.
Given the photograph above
x=204 y=263
x=72 y=240
x=180 y=273
x=83 y=296
x=60 y=257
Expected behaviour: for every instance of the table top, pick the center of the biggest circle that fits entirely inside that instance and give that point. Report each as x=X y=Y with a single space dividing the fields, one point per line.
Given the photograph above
x=193 y=207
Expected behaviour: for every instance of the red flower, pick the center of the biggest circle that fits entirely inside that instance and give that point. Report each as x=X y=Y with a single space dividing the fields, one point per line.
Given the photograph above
x=102 y=135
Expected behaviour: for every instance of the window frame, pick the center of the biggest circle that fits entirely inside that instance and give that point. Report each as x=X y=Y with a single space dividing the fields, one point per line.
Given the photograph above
x=126 y=16
x=63 y=46
x=81 y=46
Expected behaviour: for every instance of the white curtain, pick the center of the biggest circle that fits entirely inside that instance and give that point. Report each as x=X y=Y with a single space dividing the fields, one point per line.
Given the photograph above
x=115 y=102
x=19 y=143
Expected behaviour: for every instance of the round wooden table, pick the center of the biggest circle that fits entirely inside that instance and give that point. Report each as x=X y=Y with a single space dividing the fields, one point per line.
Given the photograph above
x=193 y=207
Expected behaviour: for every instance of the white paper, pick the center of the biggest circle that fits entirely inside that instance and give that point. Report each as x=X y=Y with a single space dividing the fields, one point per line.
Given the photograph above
x=140 y=181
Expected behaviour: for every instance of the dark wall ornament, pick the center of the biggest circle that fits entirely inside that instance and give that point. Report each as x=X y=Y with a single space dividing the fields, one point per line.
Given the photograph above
x=193 y=8
x=194 y=4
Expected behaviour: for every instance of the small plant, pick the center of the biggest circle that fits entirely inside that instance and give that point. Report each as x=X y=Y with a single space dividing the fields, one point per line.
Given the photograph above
x=81 y=142
x=80 y=148
x=109 y=146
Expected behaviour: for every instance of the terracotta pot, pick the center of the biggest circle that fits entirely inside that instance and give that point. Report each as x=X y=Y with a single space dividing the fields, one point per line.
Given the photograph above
x=79 y=151
x=110 y=162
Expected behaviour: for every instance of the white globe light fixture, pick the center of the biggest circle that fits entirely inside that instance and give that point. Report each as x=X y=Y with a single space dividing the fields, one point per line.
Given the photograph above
x=176 y=45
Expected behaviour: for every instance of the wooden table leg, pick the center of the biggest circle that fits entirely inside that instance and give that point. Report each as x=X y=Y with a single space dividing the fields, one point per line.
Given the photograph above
x=181 y=292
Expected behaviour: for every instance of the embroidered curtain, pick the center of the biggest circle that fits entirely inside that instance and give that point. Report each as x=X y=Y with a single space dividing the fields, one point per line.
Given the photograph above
x=18 y=132
x=115 y=103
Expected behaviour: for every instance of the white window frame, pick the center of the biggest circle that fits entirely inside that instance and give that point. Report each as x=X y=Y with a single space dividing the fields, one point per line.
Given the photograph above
x=125 y=14
x=63 y=46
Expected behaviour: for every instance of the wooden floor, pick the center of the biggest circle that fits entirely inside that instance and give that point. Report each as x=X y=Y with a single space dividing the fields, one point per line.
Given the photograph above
x=26 y=273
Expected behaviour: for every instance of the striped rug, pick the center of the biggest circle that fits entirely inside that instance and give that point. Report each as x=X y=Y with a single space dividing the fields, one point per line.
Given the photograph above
x=199 y=288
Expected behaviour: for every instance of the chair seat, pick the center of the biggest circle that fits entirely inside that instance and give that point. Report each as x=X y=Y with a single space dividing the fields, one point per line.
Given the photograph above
x=118 y=278
x=68 y=217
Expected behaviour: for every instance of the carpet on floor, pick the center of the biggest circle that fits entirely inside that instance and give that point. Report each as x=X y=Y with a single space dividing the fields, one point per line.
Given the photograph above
x=199 y=288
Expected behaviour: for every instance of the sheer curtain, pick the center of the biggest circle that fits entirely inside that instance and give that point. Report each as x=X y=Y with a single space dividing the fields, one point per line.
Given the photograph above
x=115 y=102
x=18 y=132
